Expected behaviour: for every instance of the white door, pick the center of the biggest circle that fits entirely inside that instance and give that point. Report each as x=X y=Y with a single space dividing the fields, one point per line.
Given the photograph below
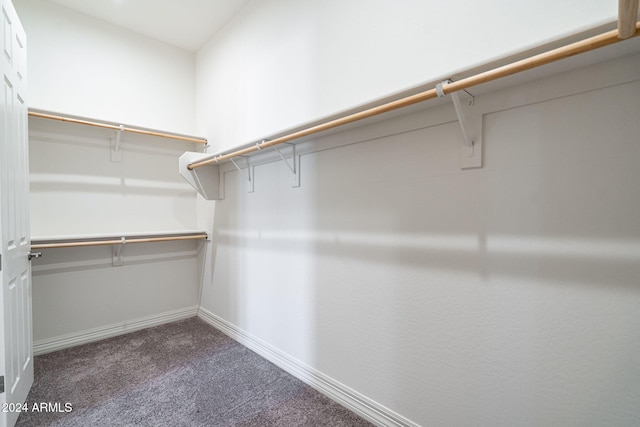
x=16 y=357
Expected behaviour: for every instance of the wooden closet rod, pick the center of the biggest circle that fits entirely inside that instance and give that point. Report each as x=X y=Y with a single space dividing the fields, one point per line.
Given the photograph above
x=117 y=241
x=544 y=58
x=116 y=127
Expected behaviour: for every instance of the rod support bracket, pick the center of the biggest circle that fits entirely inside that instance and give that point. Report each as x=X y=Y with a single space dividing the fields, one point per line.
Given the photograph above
x=470 y=120
x=440 y=88
x=261 y=143
x=248 y=175
x=294 y=165
x=116 y=152
x=116 y=252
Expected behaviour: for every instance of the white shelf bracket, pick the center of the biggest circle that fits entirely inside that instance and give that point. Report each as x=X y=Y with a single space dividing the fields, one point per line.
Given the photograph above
x=294 y=165
x=116 y=152
x=471 y=124
x=249 y=175
x=221 y=179
x=116 y=252
x=206 y=181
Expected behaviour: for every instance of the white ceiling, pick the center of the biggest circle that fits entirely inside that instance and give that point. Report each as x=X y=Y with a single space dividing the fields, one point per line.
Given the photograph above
x=187 y=24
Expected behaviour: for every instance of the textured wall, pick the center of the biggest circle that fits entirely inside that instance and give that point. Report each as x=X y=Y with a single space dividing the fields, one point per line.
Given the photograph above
x=79 y=295
x=501 y=296
x=77 y=189
x=506 y=295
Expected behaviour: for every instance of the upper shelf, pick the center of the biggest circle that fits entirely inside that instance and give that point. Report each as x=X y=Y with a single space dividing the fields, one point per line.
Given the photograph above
x=446 y=87
x=116 y=127
x=209 y=182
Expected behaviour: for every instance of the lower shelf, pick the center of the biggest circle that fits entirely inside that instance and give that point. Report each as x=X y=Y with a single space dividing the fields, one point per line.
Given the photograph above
x=78 y=241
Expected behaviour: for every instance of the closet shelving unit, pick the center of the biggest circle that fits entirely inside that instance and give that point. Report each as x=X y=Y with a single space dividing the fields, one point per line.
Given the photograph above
x=112 y=239
x=627 y=28
x=116 y=127
x=208 y=183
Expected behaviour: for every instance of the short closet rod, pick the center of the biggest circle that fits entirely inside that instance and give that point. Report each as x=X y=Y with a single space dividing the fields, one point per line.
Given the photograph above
x=117 y=241
x=544 y=58
x=116 y=127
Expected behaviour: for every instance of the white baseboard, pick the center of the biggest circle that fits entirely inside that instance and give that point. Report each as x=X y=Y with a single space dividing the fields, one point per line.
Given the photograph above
x=347 y=397
x=90 y=335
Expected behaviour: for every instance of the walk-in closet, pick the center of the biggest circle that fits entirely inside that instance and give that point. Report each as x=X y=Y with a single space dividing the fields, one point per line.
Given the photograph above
x=328 y=213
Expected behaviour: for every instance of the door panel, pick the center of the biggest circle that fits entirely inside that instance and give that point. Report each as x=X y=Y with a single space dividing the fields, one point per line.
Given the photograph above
x=16 y=357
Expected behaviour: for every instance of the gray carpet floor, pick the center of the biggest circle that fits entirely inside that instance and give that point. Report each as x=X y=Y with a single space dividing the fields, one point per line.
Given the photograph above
x=180 y=374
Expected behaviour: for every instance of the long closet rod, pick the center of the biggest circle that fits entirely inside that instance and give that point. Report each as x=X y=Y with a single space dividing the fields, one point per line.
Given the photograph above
x=117 y=241
x=544 y=58
x=116 y=127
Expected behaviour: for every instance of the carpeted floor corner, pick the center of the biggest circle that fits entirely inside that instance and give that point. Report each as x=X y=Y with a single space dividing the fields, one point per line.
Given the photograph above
x=180 y=374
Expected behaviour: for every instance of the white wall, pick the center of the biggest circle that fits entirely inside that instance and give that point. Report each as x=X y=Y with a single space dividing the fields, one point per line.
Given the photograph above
x=79 y=296
x=76 y=188
x=82 y=66
x=282 y=63
x=506 y=295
